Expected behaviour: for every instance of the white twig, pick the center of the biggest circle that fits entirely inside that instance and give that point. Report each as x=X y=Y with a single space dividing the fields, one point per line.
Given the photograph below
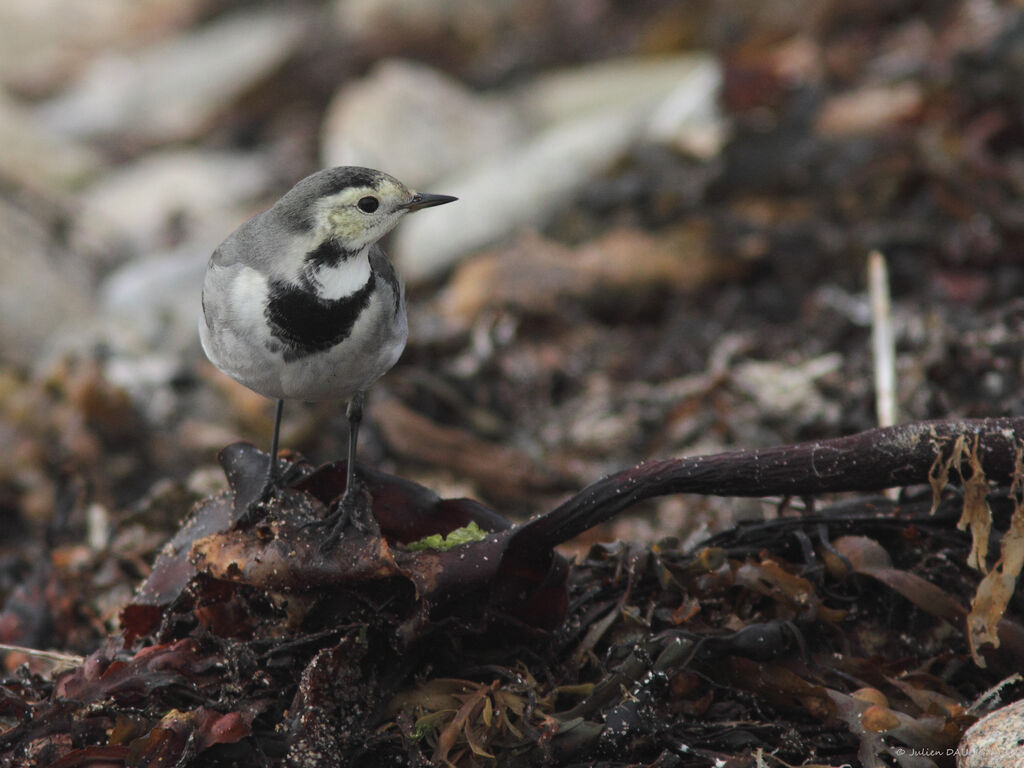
x=61 y=660
x=994 y=693
x=883 y=344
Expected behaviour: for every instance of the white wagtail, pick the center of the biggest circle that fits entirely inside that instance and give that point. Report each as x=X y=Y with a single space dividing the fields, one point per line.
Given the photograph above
x=301 y=303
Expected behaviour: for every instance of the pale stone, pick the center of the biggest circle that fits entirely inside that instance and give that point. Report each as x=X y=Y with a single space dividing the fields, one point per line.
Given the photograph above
x=35 y=157
x=197 y=190
x=995 y=741
x=587 y=118
x=174 y=89
x=415 y=123
x=43 y=286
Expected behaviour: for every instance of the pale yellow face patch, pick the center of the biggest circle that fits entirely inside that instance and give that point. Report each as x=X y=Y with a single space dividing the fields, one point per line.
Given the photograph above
x=354 y=228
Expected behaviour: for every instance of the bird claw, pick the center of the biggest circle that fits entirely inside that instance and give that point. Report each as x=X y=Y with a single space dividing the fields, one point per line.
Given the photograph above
x=352 y=511
x=272 y=488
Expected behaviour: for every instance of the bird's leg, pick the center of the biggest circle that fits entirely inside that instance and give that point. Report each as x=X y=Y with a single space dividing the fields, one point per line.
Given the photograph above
x=351 y=508
x=273 y=477
x=276 y=479
x=349 y=511
x=354 y=414
x=273 y=464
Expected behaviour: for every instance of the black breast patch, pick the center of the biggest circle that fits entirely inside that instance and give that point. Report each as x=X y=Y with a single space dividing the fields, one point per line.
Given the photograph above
x=327 y=254
x=306 y=324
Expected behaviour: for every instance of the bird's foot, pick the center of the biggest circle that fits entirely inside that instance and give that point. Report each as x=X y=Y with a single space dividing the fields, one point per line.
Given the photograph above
x=352 y=511
x=272 y=487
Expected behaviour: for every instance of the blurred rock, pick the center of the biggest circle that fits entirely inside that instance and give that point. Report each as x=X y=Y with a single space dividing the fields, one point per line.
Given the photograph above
x=43 y=285
x=627 y=269
x=688 y=118
x=601 y=421
x=145 y=325
x=68 y=434
x=145 y=347
x=784 y=389
x=519 y=188
x=501 y=470
x=869 y=110
x=588 y=127
x=169 y=195
x=45 y=41
x=175 y=89
x=617 y=84
x=995 y=740
x=154 y=303
x=34 y=157
x=415 y=123
x=174 y=208
x=400 y=19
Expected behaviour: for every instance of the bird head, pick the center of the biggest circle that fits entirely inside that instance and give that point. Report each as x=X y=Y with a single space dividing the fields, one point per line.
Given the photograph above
x=358 y=206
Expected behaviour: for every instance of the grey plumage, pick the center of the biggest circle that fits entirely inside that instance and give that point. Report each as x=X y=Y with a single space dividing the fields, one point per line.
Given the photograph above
x=243 y=347
x=301 y=303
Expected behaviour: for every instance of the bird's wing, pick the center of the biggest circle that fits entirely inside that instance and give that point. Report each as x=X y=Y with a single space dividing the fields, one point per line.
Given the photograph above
x=230 y=251
x=385 y=271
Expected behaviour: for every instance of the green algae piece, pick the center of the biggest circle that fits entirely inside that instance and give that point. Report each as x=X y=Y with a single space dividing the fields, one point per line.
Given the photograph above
x=441 y=543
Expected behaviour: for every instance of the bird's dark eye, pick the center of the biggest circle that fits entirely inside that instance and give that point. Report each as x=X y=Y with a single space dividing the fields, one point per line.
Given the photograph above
x=368 y=204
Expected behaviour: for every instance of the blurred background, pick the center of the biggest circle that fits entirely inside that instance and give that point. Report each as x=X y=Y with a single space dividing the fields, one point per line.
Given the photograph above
x=660 y=245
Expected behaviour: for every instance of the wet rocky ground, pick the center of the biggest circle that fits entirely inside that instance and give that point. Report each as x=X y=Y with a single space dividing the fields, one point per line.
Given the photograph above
x=659 y=251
